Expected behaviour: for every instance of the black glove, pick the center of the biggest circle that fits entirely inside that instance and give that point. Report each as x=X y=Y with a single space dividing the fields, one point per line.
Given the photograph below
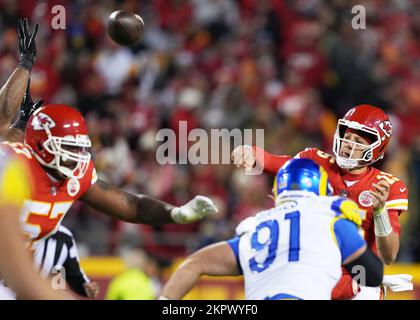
x=26 y=109
x=27 y=46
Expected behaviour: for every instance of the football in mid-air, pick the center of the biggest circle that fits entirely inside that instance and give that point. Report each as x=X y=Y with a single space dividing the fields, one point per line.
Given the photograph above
x=125 y=28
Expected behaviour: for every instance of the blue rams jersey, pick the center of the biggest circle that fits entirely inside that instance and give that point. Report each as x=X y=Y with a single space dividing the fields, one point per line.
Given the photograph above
x=296 y=249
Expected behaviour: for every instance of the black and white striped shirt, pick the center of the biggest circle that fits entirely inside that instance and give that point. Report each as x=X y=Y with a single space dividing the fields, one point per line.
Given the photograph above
x=57 y=252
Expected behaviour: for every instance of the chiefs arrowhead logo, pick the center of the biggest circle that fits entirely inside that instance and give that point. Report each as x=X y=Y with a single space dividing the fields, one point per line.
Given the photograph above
x=41 y=120
x=386 y=127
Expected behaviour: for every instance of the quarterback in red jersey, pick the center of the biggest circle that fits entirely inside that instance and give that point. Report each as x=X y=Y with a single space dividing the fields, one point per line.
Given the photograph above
x=361 y=139
x=56 y=149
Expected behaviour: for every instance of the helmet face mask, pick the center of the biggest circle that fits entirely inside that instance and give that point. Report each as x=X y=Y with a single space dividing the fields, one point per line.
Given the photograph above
x=58 y=138
x=67 y=162
x=360 y=154
x=369 y=123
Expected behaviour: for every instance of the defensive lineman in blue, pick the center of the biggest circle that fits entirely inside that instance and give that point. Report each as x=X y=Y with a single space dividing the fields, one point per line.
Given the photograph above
x=292 y=251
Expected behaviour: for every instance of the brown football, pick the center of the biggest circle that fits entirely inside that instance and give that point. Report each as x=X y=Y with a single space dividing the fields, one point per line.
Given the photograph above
x=125 y=28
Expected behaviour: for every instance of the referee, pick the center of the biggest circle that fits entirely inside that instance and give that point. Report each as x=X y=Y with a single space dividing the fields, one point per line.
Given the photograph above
x=57 y=254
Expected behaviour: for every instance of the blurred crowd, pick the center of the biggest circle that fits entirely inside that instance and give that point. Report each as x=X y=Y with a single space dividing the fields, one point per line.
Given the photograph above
x=289 y=67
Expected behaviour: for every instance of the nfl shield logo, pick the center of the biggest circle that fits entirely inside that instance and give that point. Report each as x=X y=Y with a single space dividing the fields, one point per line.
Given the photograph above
x=343 y=193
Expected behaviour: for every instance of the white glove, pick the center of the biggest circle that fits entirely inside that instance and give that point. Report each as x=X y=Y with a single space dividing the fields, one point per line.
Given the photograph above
x=398 y=282
x=245 y=226
x=244 y=156
x=194 y=210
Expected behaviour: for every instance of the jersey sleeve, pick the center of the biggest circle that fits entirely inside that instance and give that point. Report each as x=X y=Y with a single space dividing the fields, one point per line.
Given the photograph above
x=270 y=162
x=94 y=176
x=234 y=245
x=348 y=238
x=90 y=178
x=308 y=153
x=398 y=197
x=396 y=204
x=320 y=157
x=75 y=276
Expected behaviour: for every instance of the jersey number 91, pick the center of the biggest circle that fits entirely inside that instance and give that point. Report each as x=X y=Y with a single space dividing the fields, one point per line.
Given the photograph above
x=266 y=237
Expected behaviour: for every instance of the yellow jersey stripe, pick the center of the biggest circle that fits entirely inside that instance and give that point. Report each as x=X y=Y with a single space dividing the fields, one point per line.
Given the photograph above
x=323 y=182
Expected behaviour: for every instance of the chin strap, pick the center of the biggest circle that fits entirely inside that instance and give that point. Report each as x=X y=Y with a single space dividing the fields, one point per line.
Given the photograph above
x=346 y=163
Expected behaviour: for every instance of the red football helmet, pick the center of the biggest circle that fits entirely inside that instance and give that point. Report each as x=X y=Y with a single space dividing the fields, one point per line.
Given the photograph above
x=369 y=122
x=58 y=135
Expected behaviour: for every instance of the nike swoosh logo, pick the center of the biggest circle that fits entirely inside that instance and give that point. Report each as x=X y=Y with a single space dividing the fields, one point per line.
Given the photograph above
x=403 y=189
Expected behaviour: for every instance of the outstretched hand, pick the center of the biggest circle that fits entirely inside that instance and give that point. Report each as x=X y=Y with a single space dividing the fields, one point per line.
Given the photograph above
x=27 y=45
x=196 y=209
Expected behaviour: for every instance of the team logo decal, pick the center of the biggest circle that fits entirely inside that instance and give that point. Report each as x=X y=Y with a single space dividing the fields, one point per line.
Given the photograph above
x=307 y=182
x=73 y=187
x=386 y=127
x=365 y=198
x=41 y=120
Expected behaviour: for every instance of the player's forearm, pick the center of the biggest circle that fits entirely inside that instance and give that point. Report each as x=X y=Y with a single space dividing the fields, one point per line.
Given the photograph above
x=182 y=281
x=271 y=163
x=11 y=96
x=387 y=240
x=148 y=210
x=388 y=247
x=33 y=287
x=122 y=205
x=217 y=259
x=76 y=283
x=74 y=276
x=140 y=209
x=15 y=135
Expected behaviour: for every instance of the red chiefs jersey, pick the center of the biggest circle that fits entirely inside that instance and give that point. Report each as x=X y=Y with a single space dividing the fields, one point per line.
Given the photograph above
x=357 y=188
x=354 y=187
x=42 y=214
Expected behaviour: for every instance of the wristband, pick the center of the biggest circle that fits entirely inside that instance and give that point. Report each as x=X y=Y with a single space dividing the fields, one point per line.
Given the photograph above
x=177 y=216
x=26 y=62
x=382 y=224
x=20 y=125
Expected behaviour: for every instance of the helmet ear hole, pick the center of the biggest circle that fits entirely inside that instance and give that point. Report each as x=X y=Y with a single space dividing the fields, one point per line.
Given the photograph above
x=40 y=147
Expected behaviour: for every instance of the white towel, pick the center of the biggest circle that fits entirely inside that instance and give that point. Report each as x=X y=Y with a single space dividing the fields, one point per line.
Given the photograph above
x=398 y=282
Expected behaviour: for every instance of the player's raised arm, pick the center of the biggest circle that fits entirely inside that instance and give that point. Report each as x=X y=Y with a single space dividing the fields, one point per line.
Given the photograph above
x=215 y=260
x=16 y=132
x=12 y=93
x=123 y=205
x=248 y=156
x=387 y=239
